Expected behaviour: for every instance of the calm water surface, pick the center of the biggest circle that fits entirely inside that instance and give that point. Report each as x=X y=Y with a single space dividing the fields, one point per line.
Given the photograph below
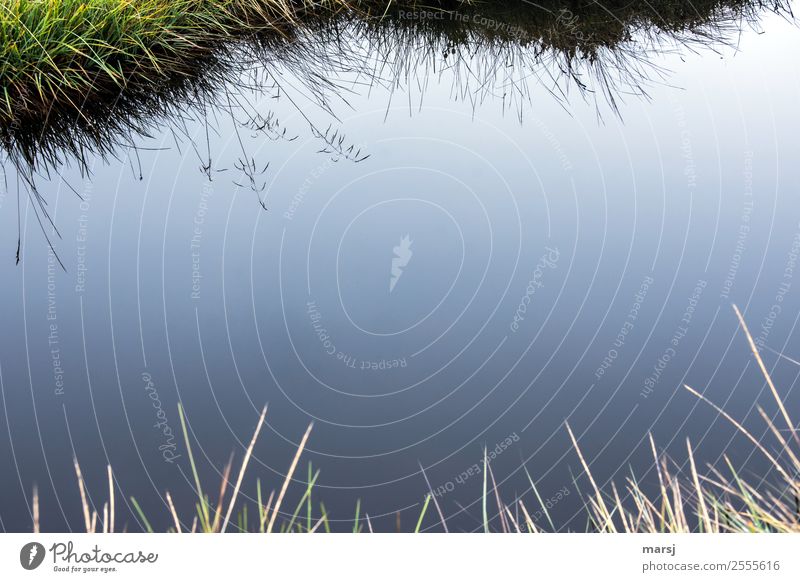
x=491 y=271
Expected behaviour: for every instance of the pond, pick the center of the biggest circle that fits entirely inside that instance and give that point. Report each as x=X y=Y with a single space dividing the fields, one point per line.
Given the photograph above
x=426 y=237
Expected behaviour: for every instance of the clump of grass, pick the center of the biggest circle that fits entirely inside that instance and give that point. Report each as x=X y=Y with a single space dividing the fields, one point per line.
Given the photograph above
x=70 y=66
x=721 y=501
x=267 y=513
x=79 y=75
x=64 y=53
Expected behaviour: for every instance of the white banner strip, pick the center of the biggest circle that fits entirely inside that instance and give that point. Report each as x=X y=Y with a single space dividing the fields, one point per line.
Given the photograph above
x=548 y=557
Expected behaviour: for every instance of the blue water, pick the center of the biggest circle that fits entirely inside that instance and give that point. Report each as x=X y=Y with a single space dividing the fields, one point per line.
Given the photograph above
x=478 y=280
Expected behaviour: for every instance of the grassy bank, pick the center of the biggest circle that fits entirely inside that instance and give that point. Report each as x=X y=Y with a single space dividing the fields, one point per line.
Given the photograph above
x=687 y=498
x=78 y=74
x=59 y=53
x=75 y=72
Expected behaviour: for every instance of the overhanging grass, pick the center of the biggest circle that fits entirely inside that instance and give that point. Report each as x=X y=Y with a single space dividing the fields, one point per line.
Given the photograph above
x=59 y=52
x=76 y=74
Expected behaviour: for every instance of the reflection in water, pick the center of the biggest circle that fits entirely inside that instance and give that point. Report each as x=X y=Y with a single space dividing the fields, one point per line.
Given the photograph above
x=493 y=49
